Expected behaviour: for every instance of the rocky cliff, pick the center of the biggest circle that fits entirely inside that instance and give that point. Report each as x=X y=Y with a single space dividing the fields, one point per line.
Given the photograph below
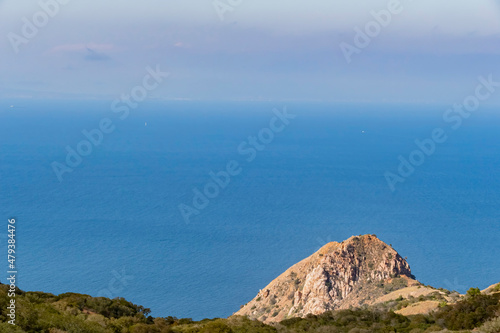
x=338 y=276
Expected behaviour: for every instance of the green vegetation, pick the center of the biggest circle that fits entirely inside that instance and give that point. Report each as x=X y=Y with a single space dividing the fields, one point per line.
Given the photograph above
x=472 y=292
x=470 y=312
x=351 y=321
x=467 y=314
x=492 y=326
x=70 y=312
x=395 y=284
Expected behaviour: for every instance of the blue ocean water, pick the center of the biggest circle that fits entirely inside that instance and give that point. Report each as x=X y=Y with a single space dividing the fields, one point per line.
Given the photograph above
x=112 y=227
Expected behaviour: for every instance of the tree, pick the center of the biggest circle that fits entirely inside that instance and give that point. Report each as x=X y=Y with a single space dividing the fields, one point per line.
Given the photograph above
x=472 y=292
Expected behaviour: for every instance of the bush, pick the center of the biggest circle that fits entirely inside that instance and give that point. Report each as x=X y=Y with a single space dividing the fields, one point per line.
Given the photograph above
x=473 y=292
x=470 y=312
x=8 y=328
x=396 y=284
x=217 y=326
x=492 y=326
x=42 y=312
x=144 y=328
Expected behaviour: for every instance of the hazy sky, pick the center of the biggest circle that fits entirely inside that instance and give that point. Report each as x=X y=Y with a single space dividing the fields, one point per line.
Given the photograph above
x=431 y=51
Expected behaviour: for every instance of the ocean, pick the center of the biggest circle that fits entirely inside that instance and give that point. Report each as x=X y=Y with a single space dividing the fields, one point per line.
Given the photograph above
x=121 y=221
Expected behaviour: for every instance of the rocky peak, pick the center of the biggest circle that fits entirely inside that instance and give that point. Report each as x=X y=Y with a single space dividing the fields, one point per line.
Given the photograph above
x=337 y=276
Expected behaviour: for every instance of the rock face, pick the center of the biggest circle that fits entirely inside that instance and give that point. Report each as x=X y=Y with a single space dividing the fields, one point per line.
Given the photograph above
x=338 y=276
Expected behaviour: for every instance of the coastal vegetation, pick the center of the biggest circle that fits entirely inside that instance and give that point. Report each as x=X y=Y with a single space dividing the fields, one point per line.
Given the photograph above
x=71 y=312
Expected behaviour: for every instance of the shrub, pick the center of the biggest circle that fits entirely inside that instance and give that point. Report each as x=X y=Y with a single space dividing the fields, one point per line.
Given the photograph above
x=492 y=326
x=217 y=326
x=144 y=328
x=470 y=312
x=473 y=292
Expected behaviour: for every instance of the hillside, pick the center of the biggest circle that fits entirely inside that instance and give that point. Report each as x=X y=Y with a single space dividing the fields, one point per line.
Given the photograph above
x=342 y=275
x=359 y=285
x=77 y=313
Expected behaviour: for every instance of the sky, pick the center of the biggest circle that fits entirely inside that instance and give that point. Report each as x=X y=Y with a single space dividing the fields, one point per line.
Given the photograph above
x=427 y=52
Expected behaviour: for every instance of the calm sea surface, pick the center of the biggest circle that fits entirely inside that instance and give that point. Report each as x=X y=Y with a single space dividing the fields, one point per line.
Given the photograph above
x=113 y=227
